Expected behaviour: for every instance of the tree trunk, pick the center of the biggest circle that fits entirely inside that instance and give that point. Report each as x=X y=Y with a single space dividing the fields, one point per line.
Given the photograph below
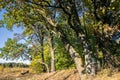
x=83 y=37
x=52 y=52
x=76 y=57
x=74 y=22
x=89 y=60
x=42 y=51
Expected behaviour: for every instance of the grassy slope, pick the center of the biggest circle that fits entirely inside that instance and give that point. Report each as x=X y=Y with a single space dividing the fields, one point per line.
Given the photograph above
x=71 y=74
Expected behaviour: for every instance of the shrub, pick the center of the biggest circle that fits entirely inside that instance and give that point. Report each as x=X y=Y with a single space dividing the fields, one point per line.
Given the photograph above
x=35 y=67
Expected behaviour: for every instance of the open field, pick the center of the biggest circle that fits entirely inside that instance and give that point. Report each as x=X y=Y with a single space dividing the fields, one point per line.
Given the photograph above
x=70 y=74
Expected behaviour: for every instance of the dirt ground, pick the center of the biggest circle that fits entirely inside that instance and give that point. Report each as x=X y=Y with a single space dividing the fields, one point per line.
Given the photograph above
x=70 y=74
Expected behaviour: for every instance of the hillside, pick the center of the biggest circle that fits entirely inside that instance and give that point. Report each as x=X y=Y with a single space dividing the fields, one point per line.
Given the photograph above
x=70 y=74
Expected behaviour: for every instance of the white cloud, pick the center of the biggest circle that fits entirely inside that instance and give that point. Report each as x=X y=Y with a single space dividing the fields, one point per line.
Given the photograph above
x=15 y=61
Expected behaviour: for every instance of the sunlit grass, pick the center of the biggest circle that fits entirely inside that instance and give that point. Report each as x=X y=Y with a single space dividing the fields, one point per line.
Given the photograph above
x=72 y=74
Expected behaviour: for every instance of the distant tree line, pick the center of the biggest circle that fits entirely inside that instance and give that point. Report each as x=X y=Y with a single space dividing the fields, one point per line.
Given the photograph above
x=12 y=64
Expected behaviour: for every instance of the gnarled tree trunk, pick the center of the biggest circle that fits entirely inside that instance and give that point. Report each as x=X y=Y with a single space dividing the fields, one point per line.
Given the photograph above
x=74 y=22
x=74 y=55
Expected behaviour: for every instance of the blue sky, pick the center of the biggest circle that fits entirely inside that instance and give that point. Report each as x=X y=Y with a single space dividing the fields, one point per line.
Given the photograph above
x=5 y=34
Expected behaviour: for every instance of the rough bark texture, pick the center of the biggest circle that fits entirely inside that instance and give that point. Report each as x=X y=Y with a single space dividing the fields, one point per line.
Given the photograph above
x=76 y=57
x=74 y=22
x=89 y=60
x=52 y=52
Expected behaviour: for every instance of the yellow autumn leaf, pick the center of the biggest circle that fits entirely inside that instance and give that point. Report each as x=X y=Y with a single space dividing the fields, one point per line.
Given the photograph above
x=103 y=11
x=100 y=54
x=113 y=7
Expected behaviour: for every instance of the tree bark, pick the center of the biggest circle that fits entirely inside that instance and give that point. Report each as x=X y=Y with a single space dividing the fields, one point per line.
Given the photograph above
x=89 y=60
x=74 y=22
x=52 y=52
x=76 y=57
x=42 y=51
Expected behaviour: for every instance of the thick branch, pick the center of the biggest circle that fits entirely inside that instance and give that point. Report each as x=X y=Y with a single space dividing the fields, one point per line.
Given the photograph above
x=49 y=20
x=44 y=5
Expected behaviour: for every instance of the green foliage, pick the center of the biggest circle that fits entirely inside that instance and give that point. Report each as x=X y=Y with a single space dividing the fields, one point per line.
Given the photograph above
x=36 y=67
x=13 y=49
x=37 y=16
x=63 y=59
x=47 y=55
x=36 y=64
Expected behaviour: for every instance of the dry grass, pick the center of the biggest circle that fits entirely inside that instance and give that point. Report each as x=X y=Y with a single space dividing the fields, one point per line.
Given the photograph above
x=70 y=74
x=1 y=68
x=11 y=73
x=105 y=75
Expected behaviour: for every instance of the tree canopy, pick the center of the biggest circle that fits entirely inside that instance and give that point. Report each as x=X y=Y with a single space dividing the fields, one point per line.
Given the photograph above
x=88 y=30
